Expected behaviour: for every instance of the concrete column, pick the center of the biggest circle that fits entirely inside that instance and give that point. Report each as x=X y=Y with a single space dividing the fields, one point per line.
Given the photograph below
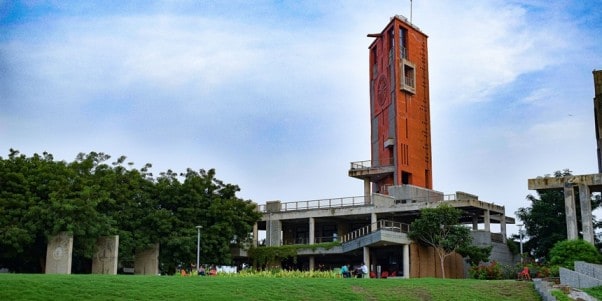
x=367 y=259
x=59 y=253
x=475 y=223
x=312 y=231
x=373 y=220
x=274 y=228
x=367 y=192
x=503 y=226
x=586 y=213
x=312 y=263
x=105 y=258
x=487 y=220
x=255 y=235
x=570 y=211
x=147 y=262
x=406 y=261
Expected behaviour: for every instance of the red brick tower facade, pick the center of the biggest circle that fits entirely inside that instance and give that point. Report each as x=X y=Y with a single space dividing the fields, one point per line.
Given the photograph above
x=399 y=110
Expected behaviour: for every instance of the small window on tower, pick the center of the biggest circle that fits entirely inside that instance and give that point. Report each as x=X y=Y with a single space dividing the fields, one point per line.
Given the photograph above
x=408 y=77
x=402 y=43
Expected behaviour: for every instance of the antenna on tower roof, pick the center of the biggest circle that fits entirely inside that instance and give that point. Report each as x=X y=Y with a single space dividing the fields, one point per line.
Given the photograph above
x=411 y=12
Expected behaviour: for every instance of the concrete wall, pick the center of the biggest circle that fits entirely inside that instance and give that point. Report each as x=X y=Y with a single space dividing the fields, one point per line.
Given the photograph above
x=411 y=192
x=106 y=256
x=500 y=251
x=147 y=262
x=586 y=275
x=59 y=254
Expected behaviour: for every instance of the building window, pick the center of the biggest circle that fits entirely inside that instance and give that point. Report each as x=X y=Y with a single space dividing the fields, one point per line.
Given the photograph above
x=402 y=43
x=408 y=77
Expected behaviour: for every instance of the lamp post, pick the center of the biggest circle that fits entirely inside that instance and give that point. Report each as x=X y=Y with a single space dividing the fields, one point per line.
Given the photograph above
x=520 y=234
x=198 y=246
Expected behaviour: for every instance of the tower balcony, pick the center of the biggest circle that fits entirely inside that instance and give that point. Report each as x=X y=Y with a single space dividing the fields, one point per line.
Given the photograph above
x=370 y=170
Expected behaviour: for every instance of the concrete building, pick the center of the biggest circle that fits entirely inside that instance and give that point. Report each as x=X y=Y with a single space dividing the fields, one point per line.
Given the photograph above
x=584 y=184
x=397 y=180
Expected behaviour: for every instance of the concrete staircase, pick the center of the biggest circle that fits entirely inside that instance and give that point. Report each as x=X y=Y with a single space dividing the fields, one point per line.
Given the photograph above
x=585 y=275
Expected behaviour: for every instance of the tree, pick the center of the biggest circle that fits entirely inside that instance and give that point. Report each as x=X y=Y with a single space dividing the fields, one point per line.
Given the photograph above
x=474 y=254
x=203 y=200
x=440 y=228
x=566 y=252
x=40 y=197
x=545 y=219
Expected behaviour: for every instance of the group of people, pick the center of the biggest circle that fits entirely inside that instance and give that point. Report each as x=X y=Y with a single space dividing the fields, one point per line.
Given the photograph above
x=359 y=272
x=192 y=271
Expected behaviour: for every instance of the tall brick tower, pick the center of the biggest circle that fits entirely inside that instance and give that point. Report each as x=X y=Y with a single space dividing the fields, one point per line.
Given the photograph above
x=399 y=110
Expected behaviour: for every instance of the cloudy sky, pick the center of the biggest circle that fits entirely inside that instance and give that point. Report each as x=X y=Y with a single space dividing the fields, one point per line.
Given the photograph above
x=274 y=94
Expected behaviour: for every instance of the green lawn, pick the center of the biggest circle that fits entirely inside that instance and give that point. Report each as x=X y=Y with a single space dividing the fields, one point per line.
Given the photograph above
x=121 y=287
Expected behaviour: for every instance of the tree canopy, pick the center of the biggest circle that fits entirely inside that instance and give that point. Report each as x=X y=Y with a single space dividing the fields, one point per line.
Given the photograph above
x=440 y=228
x=566 y=252
x=545 y=219
x=89 y=198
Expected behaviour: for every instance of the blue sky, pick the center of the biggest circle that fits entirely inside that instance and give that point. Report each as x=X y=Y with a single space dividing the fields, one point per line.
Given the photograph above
x=274 y=94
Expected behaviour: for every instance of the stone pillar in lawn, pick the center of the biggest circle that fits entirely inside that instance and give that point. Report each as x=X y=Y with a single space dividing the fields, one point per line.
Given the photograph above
x=58 y=254
x=105 y=257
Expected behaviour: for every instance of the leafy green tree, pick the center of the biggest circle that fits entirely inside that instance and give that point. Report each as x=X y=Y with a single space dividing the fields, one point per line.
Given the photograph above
x=545 y=219
x=203 y=200
x=566 y=252
x=440 y=228
x=40 y=197
x=474 y=254
x=26 y=186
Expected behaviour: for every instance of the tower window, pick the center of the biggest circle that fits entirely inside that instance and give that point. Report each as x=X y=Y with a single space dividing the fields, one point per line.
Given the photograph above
x=402 y=43
x=408 y=77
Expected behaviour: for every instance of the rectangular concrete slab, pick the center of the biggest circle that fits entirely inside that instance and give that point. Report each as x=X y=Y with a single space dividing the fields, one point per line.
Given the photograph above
x=106 y=255
x=58 y=254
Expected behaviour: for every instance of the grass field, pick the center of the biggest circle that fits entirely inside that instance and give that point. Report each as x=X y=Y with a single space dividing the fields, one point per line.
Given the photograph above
x=121 y=287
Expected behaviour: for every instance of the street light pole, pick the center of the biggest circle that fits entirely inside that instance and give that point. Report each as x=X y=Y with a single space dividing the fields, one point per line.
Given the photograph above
x=198 y=246
x=520 y=234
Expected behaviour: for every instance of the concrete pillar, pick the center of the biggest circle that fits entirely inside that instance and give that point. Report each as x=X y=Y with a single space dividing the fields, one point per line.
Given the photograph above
x=312 y=231
x=147 y=262
x=273 y=235
x=373 y=220
x=487 y=220
x=586 y=213
x=105 y=258
x=59 y=253
x=367 y=259
x=367 y=192
x=255 y=235
x=406 y=261
x=503 y=226
x=475 y=223
x=312 y=263
x=570 y=211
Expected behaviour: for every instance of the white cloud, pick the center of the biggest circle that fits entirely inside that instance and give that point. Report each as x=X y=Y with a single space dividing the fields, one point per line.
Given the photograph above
x=275 y=95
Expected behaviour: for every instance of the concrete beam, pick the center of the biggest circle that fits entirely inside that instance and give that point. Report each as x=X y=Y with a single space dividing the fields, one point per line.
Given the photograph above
x=555 y=182
x=369 y=209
